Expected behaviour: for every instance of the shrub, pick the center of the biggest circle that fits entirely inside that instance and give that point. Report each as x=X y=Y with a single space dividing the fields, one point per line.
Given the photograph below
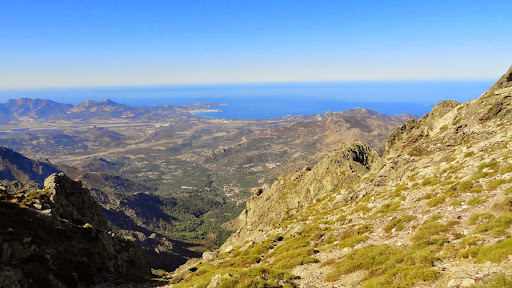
x=388 y=266
x=388 y=208
x=506 y=169
x=496 y=226
x=505 y=205
x=436 y=201
x=479 y=200
x=469 y=154
x=495 y=253
x=398 y=223
x=494 y=184
x=498 y=281
x=474 y=219
x=430 y=233
x=352 y=237
x=464 y=186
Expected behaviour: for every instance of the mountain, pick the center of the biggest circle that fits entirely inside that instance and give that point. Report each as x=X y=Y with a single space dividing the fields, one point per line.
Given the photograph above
x=95 y=109
x=56 y=237
x=434 y=211
x=14 y=166
x=25 y=108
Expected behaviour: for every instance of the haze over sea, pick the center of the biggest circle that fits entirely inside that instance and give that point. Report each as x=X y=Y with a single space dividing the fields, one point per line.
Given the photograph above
x=272 y=100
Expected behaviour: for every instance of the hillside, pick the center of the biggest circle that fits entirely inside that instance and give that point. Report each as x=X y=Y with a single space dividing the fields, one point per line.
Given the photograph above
x=201 y=170
x=57 y=237
x=434 y=211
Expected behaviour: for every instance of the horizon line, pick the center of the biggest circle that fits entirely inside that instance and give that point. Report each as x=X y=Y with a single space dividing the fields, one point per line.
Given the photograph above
x=242 y=83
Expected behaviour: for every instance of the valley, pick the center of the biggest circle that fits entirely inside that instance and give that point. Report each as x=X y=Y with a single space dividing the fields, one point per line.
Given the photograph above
x=183 y=177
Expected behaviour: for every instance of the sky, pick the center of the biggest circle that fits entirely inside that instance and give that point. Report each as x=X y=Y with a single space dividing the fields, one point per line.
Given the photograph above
x=102 y=43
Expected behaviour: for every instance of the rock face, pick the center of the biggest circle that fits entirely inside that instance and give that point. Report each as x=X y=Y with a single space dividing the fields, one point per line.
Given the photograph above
x=434 y=211
x=504 y=82
x=338 y=170
x=73 y=202
x=55 y=237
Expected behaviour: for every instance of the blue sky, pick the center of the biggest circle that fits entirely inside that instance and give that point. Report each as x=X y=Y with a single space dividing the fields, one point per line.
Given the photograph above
x=97 y=43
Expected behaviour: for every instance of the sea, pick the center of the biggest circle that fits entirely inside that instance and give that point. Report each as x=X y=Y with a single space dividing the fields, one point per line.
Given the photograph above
x=273 y=100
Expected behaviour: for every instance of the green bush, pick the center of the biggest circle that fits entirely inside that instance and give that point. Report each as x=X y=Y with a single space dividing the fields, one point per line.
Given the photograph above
x=398 y=223
x=388 y=266
x=436 y=201
x=478 y=217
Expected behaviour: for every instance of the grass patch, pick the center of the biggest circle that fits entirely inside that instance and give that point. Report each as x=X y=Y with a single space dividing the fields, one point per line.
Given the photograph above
x=497 y=226
x=505 y=205
x=498 y=281
x=398 y=223
x=506 y=169
x=495 y=253
x=352 y=237
x=479 y=200
x=456 y=202
x=296 y=251
x=362 y=208
x=388 y=266
x=491 y=165
x=387 y=208
x=436 y=201
x=479 y=218
x=431 y=232
x=494 y=184
x=469 y=154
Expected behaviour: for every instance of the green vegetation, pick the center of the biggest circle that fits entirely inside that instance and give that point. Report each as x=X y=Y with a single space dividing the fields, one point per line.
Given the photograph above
x=436 y=201
x=479 y=200
x=478 y=218
x=388 y=266
x=456 y=202
x=506 y=169
x=495 y=253
x=431 y=232
x=387 y=208
x=398 y=223
x=234 y=277
x=491 y=165
x=294 y=251
x=494 y=184
x=362 y=208
x=496 y=226
x=469 y=154
x=352 y=237
x=498 y=281
x=505 y=205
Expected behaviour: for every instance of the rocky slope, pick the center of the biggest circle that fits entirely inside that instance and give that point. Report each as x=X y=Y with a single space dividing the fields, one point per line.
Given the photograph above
x=434 y=211
x=120 y=202
x=56 y=237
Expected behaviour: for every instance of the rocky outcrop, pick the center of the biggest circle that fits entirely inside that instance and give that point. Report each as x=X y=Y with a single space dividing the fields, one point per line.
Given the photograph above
x=73 y=202
x=289 y=193
x=504 y=82
x=55 y=237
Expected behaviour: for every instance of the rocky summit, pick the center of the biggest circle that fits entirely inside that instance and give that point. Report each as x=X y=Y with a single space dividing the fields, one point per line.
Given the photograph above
x=434 y=211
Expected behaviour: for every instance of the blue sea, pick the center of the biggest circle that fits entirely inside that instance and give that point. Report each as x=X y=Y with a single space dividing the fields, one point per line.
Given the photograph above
x=272 y=100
